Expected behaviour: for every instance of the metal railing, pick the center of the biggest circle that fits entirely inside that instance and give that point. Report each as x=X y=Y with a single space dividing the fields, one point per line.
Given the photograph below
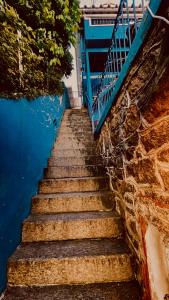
x=126 y=26
x=127 y=21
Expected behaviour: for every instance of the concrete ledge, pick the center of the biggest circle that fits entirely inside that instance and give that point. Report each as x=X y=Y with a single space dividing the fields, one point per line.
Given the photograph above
x=106 y=291
x=73 y=185
x=74 y=171
x=87 y=262
x=74 y=161
x=73 y=202
x=70 y=226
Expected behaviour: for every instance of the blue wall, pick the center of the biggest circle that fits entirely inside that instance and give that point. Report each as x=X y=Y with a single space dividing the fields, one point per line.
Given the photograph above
x=27 y=132
x=93 y=32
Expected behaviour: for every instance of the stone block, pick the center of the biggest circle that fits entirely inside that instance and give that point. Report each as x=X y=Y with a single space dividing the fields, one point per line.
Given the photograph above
x=130 y=146
x=156 y=137
x=159 y=106
x=159 y=198
x=165 y=177
x=132 y=120
x=143 y=171
x=163 y=155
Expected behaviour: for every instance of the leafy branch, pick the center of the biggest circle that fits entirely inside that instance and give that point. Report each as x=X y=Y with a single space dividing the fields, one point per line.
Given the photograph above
x=35 y=36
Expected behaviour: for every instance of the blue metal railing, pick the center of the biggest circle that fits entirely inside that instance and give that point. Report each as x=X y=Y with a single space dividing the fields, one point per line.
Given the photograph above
x=120 y=55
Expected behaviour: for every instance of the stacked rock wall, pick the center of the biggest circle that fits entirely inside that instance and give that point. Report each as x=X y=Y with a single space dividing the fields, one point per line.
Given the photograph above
x=134 y=143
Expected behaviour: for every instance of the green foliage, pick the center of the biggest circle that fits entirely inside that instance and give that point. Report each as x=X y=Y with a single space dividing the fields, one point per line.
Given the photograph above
x=35 y=36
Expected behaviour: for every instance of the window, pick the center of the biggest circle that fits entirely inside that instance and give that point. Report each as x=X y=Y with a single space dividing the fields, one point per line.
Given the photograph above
x=102 y=21
x=110 y=21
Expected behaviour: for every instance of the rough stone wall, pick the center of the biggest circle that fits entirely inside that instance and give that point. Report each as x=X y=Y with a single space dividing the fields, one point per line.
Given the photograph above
x=134 y=143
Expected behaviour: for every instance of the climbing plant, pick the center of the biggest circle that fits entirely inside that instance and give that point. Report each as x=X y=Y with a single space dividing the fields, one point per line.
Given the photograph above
x=35 y=36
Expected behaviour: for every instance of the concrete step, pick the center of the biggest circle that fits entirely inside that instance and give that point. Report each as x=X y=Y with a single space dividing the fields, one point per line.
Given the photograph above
x=70 y=262
x=71 y=226
x=76 y=116
x=73 y=202
x=69 y=185
x=78 y=131
x=90 y=151
x=82 y=116
x=65 y=139
x=78 y=135
x=76 y=123
x=73 y=144
x=97 y=291
x=74 y=171
x=72 y=111
x=76 y=113
x=77 y=120
x=79 y=117
x=56 y=161
x=76 y=126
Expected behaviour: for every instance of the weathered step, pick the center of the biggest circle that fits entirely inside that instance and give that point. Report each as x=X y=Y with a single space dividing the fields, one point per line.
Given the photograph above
x=74 y=171
x=76 y=135
x=79 y=118
x=73 y=202
x=73 y=144
x=80 y=115
x=56 y=161
x=97 y=291
x=76 y=123
x=74 y=152
x=71 y=226
x=65 y=139
x=70 y=262
x=73 y=111
x=76 y=126
x=78 y=131
x=76 y=113
x=68 y=185
x=76 y=120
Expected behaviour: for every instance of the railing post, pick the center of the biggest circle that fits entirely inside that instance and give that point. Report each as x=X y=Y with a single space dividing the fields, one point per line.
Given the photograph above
x=89 y=86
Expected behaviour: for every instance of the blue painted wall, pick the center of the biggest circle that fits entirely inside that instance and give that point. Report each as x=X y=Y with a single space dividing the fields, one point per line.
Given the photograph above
x=27 y=132
x=93 y=32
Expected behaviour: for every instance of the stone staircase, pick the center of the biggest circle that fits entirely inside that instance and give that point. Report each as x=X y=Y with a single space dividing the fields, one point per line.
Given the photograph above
x=72 y=243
